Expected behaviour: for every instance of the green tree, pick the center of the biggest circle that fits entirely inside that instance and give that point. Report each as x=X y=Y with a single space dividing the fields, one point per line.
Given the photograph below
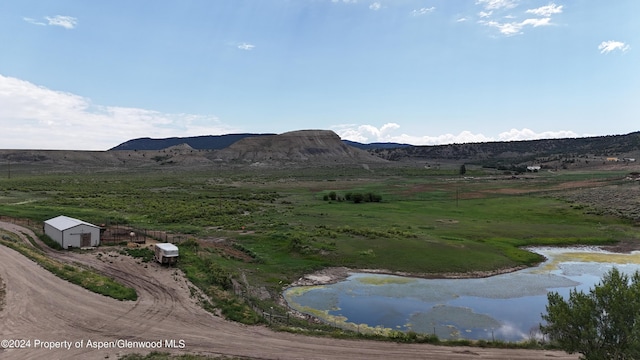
x=603 y=324
x=463 y=169
x=357 y=198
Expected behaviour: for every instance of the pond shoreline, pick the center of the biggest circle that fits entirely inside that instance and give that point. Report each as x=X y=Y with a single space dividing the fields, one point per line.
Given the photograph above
x=332 y=275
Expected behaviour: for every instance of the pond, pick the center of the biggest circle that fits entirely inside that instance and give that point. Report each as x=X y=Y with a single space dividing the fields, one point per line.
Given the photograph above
x=502 y=307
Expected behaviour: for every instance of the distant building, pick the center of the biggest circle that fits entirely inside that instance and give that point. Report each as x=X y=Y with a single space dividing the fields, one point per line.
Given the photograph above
x=613 y=159
x=533 y=168
x=70 y=232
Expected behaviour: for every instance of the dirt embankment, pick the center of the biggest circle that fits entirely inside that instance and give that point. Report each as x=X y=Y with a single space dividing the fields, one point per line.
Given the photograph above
x=2 y=295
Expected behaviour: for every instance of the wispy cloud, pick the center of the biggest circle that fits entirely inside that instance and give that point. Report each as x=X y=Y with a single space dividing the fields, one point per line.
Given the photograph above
x=345 y=1
x=375 y=6
x=497 y=4
x=513 y=28
x=606 y=47
x=370 y=133
x=423 y=11
x=500 y=14
x=546 y=10
x=67 y=22
x=245 y=46
x=34 y=21
x=36 y=117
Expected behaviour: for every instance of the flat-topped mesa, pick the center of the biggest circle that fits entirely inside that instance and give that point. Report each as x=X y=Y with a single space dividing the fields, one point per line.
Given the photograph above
x=322 y=146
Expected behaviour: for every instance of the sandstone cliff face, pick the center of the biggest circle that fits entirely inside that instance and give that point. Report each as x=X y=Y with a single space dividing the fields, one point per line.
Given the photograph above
x=321 y=146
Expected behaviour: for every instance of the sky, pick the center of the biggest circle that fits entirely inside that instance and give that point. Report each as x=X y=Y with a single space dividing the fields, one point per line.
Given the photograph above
x=89 y=75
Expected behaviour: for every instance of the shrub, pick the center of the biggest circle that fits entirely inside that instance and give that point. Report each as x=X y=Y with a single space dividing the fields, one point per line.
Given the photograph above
x=50 y=242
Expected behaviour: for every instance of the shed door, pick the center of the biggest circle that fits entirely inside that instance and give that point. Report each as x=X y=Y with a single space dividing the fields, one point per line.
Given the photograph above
x=85 y=240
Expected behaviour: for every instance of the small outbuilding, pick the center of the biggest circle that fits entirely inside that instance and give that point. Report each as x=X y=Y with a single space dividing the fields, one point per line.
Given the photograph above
x=70 y=232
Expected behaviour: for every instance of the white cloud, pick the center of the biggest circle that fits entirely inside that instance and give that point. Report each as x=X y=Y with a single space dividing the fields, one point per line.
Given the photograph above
x=423 y=11
x=67 y=22
x=245 y=46
x=462 y=19
x=536 y=22
x=370 y=133
x=512 y=28
x=606 y=47
x=546 y=10
x=507 y=25
x=34 y=21
x=497 y=4
x=375 y=6
x=35 y=117
x=345 y=1
x=527 y=134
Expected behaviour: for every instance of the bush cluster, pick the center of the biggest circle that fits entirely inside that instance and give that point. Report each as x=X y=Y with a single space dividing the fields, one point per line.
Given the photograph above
x=355 y=197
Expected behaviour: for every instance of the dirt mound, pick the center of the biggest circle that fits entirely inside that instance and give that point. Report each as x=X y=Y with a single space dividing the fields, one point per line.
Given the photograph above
x=322 y=146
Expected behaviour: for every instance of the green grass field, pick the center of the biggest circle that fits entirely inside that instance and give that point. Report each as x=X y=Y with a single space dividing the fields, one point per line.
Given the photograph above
x=425 y=223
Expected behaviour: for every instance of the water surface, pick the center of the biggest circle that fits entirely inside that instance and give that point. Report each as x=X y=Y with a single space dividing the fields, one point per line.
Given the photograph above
x=506 y=307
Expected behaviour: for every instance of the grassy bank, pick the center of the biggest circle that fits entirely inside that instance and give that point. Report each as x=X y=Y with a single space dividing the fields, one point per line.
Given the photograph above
x=86 y=278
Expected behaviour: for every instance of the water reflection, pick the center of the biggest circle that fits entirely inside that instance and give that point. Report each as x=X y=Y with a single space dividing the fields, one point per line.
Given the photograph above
x=506 y=307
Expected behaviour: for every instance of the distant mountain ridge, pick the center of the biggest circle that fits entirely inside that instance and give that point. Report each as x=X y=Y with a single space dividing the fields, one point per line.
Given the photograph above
x=205 y=142
x=485 y=153
x=519 y=151
x=218 y=142
x=325 y=148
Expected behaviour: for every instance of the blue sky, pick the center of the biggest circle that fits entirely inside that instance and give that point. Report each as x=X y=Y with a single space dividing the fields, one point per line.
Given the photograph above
x=89 y=75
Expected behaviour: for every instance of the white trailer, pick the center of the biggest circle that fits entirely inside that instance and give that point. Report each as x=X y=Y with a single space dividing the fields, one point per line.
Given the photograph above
x=166 y=253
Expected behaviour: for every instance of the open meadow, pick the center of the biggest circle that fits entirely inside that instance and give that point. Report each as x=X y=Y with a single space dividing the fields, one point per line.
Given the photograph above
x=246 y=234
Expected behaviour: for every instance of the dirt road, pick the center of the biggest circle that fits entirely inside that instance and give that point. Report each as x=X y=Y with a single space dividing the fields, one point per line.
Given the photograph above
x=50 y=312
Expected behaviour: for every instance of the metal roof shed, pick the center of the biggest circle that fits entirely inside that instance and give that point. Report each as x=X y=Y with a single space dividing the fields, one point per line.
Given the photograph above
x=70 y=232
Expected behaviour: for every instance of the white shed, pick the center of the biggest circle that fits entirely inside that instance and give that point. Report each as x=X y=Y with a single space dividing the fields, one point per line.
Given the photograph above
x=70 y=232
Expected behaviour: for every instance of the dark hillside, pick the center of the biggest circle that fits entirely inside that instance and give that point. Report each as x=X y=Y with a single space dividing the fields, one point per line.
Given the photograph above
x=518 y=151
x=208 y=142
x=376 y=145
